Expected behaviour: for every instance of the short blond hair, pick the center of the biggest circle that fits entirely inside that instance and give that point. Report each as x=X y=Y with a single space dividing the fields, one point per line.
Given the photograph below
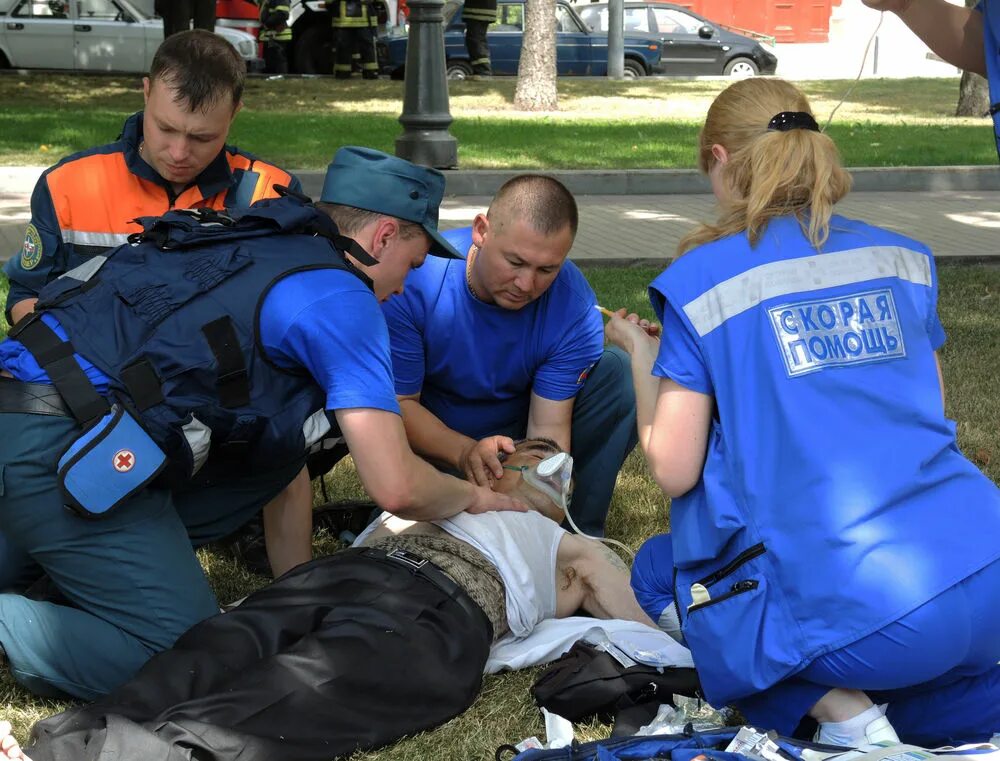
x=770 y=173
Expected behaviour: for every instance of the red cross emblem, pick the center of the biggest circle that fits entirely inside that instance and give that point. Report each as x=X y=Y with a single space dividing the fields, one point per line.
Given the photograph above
x=124 y=461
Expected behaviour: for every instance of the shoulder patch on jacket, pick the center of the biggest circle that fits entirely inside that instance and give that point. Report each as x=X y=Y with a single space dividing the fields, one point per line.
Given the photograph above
x=31 y=250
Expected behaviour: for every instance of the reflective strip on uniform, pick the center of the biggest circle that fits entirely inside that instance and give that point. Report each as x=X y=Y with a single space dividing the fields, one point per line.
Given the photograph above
x=87 y=270
x=105 y=240
x=748 y=289
x=476 y=14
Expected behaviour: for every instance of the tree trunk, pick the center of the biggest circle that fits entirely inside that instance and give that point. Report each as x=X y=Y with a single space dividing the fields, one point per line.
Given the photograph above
x=973 y=92
x=536 y=72
x=973 y=95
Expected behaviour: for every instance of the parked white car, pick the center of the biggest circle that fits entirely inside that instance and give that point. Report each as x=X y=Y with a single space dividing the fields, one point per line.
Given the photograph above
x=89 y=35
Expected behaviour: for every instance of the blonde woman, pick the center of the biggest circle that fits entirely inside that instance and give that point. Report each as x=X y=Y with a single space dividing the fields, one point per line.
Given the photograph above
x=831 y=548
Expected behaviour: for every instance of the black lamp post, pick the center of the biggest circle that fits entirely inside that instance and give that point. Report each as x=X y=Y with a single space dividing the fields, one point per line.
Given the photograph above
x=426 y=118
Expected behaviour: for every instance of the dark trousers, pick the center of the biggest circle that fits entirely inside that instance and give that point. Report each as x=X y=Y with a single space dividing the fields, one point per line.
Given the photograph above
x=276 y=57
x=348 y=652
x=355 y=39
x=479 y=50
x=178 y=15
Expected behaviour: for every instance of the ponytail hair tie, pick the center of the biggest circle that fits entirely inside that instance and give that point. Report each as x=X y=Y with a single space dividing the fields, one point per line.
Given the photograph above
x=787 y=120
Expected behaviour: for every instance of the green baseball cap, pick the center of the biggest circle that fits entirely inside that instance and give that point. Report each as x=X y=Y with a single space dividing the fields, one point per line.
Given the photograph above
x=375 y=181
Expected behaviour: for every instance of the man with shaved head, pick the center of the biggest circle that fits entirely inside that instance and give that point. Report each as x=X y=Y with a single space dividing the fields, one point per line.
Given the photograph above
x=508 y=343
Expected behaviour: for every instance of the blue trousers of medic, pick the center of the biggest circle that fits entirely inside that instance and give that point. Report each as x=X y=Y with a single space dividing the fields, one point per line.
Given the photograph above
x=936 y=667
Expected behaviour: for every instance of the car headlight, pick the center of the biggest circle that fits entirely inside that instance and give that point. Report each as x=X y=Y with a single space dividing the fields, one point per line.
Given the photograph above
x=247 y=49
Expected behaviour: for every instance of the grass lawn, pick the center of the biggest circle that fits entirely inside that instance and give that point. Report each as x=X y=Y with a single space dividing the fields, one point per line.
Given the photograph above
x=650 y=123
x=969 y=301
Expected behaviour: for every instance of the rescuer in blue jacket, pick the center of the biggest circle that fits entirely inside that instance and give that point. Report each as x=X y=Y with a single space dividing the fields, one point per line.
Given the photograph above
x=831 y=547
x=163 y=393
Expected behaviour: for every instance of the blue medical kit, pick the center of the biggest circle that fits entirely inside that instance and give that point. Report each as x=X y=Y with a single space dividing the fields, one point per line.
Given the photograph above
x=110 y=462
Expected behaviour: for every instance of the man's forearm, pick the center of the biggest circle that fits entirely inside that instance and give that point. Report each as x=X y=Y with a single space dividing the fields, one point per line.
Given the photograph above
x=435 y=495
x=953 y=32
x=429 y=437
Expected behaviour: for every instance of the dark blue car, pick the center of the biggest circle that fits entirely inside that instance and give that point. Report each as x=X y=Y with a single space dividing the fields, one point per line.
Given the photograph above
x=579 y=50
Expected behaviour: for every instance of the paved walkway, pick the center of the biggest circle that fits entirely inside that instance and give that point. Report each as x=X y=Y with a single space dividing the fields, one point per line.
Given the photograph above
x=628 y=230
x=645 y=229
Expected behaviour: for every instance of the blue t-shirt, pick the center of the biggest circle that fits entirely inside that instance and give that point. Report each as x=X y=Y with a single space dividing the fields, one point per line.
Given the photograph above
x=475 y=364
x=325 y=321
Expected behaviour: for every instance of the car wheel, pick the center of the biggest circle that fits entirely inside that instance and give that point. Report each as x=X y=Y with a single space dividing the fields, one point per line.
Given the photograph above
x=740 y=68
x=398 y=74
x=313 y=52
x=634 y=69
x=459 y=70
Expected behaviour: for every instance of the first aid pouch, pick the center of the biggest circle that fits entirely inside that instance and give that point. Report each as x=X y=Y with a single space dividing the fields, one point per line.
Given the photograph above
x=109 y=463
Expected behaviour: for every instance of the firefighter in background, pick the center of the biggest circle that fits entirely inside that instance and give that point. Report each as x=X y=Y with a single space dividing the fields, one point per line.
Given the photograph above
x=178 y=15
x=354 y=23
x=478 y=15
x=275 y=34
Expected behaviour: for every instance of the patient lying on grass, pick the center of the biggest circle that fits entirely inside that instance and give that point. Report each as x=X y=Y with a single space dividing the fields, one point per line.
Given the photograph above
x=355 y=650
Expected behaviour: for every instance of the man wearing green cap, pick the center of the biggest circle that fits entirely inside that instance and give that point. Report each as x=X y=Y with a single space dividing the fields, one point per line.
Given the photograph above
x=186 y=392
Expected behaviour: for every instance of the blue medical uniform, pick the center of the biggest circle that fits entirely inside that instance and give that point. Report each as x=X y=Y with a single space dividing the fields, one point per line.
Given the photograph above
x=153 y=588
x=476 y=365
x=834 y=505
x=991 y=44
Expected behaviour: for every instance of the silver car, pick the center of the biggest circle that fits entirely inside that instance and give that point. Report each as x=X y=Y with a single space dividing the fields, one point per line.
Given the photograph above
x=89 y=35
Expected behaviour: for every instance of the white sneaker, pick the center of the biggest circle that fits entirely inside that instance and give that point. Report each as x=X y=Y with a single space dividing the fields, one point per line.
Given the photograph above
x=880 y=732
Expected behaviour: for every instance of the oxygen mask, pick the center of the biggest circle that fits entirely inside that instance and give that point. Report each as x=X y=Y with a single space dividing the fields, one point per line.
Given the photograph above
x=553 y=477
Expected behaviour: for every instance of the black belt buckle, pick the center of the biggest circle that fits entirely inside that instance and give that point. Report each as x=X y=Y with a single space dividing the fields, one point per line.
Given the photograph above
x=415 y=562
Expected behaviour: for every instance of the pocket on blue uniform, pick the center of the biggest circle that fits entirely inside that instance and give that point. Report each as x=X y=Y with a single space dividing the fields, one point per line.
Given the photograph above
x=741 y=638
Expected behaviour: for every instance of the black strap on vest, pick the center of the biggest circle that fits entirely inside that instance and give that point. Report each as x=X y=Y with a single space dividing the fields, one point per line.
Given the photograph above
x=55 y=357
x=143 y=384
x=233 y=381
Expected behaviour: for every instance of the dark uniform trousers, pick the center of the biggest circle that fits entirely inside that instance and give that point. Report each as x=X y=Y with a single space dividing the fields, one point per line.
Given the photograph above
x=178 y=14
x=478 y=15
x=354 y=25
x=276 y=35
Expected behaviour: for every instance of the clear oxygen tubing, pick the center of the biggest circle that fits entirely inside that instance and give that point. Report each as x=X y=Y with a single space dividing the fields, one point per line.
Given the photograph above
x=861 y=70
x=553 y=476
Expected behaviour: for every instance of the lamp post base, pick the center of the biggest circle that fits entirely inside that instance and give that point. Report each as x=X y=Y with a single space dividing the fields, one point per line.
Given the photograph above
x=429 y=147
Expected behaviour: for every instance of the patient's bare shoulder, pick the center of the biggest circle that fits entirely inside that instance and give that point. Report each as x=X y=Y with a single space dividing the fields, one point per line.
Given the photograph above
x=590 y=575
